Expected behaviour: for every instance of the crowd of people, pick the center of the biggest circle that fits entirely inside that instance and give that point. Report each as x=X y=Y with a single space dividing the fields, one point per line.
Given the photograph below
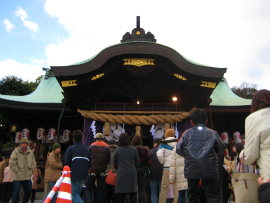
x=194 y=164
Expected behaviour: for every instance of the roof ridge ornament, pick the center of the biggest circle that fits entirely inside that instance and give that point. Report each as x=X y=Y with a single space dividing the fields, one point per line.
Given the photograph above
x=138 y=34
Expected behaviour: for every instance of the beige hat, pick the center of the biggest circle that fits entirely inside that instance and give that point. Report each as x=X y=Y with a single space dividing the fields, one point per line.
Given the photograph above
x=169 y=133
x=99 y=135
x=24 y=140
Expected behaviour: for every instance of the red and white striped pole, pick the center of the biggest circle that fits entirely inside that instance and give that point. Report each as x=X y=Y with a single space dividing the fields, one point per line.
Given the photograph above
x=64 y=193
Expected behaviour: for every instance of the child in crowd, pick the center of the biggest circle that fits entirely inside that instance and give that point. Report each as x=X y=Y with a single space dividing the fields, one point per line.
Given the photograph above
x=201 y=147
x=34 y=178
x=164 y=153
x=7 y=185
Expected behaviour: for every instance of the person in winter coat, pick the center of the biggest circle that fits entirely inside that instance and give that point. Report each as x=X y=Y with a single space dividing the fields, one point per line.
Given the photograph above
x=36 y=174
x=22 y=163
x=164 y=153
x=53 y=168
x=126 y=161
x=7 y=185
x=156 y=171
x=177 y=175
x=109 y=193
x=145 y=163
x=78 y=158
x=237 y=149
x=264 y=190
x=257 y=131
x=4 y=163
x=101 y=156
x=201 y=147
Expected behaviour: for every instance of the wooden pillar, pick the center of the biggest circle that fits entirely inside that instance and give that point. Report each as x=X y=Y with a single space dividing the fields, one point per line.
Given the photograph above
x=37 y=149
x=209 y=100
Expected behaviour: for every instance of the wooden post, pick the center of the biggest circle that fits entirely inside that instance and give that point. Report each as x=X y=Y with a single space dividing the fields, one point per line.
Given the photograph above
x=37 y=149
x=209 y=100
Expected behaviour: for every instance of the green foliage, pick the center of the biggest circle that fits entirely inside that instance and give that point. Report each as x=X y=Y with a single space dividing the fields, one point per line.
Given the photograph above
x=12 y=85
x=245 y=90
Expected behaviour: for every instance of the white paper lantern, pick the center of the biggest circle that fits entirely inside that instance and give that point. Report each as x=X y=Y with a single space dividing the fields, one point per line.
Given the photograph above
x=66 y=135
x=237 y=137
x=25 y=133
x=51 y=134
x=225 y=137
x=40 y=133
x=18 y=137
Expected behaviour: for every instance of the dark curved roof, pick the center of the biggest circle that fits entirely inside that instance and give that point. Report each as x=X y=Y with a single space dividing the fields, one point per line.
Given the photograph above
x=141 y=48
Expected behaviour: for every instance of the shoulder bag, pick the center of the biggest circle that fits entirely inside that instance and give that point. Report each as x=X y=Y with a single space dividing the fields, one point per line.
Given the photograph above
x=111 y=178
x=245 y=185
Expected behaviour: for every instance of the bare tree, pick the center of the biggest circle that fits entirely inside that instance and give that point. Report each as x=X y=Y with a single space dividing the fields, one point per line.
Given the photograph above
x=246 y=90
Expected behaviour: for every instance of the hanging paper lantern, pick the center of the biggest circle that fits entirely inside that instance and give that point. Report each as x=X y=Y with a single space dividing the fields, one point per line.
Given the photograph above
x=40 y=133
x=66 y=135
x=30 y=144
x=237 y=137
x=25 y=133
x=52 y=134
x=18 y=137
x=44 y=139
x=225 y=137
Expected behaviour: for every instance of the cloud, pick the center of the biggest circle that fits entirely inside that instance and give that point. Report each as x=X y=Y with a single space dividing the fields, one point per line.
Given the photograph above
x=8 y=25
x=23 y=15
x=25 y=71
x=229 y=34
x=36 y=61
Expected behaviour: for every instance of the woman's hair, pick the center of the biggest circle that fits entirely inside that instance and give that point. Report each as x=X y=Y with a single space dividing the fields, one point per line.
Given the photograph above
x=136 y=140
x=239 y=147
x=124 y=140
x=261 y=99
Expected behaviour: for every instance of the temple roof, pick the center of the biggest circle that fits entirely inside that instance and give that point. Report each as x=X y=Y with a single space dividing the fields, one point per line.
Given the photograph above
x=142 y=48
x=46 y=96
x=224 y=96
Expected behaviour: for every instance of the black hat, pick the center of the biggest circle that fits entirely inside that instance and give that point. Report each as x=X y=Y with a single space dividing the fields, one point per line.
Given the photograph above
x=112 y=141
x=157 y=140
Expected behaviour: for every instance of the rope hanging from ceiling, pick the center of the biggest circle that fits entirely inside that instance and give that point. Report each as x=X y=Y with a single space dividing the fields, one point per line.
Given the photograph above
x=154 y=118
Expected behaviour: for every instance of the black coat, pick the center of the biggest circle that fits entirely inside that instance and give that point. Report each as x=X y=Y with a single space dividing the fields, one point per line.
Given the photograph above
x=156 y=169
x=126 y=161
x=263 y=193
x=221 y=168
x=201 y=147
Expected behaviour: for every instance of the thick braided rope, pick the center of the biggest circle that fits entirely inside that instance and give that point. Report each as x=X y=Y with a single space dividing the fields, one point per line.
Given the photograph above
x=136 y=119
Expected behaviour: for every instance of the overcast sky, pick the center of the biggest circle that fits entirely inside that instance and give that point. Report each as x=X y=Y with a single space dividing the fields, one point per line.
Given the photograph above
x=234 y=34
